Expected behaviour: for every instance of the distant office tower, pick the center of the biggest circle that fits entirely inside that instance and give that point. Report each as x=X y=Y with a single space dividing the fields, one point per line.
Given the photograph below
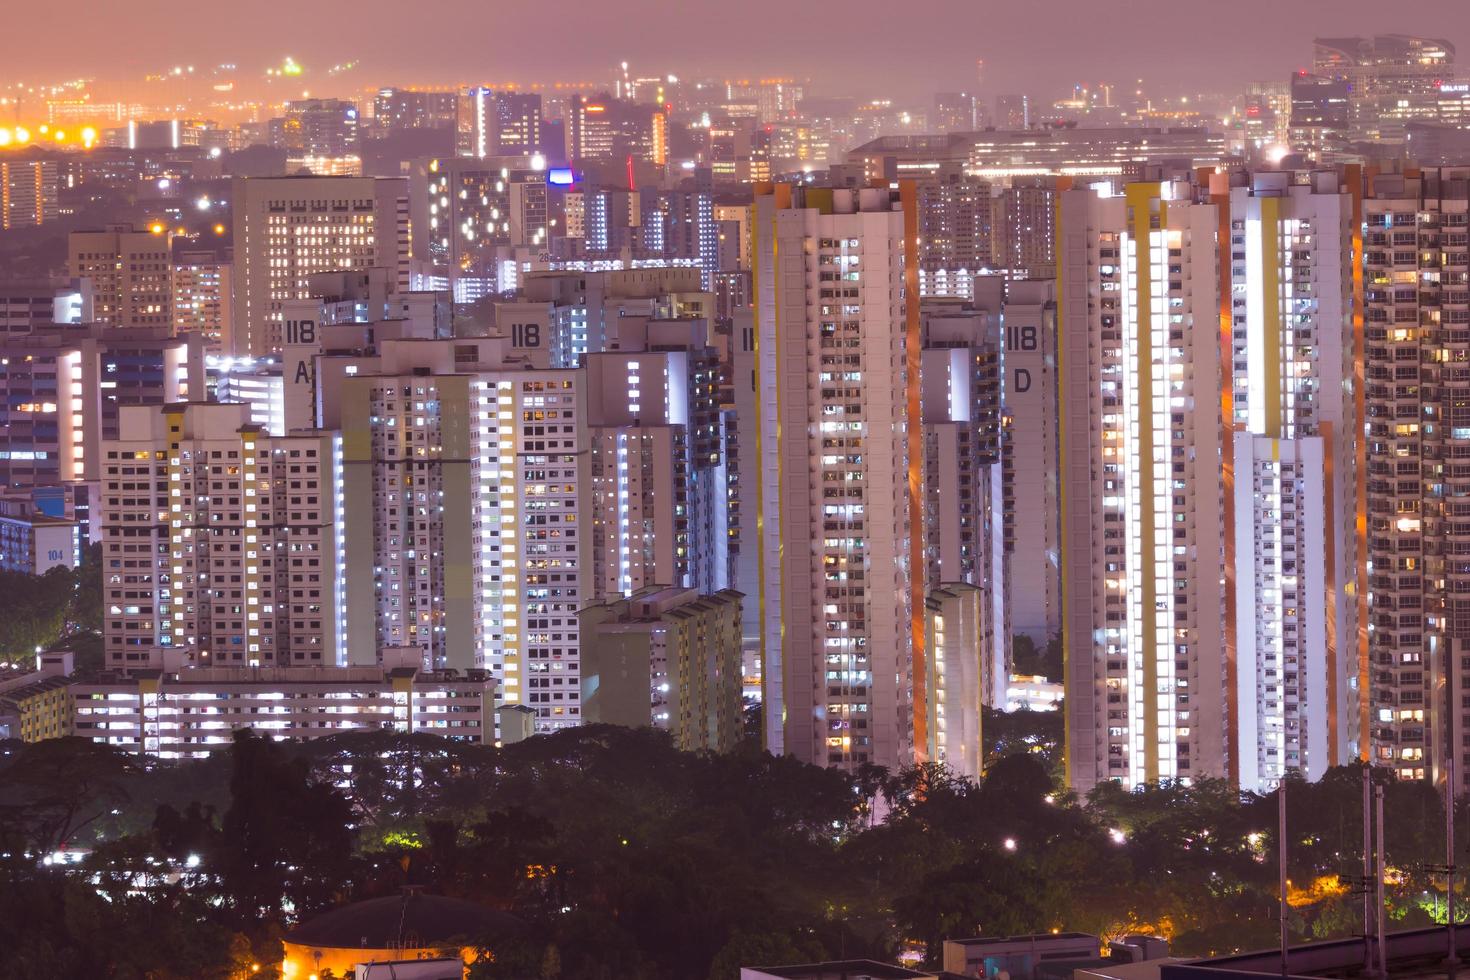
x=131 y=273
x=317 y=127
x=1142 y=561
x=1032 y=506
x=657 y=463
x=474 y=221
x=504 y=124
x=1390 y=79
x=225 y=544
x=61 y=389
x=954 y=112
x=396 y=110
x=203 y=288
x=466 y=512
x=678 y=227
x=957 y=233
x=1417 y=312
x=964 y=501
x=667 y=658
x=1291 y=559
x=737 y=154
x=604 y=129
x=28 y=190
x=1321 y=116
x=288 y=228
x=771 y=98
x=840 y=466
x=1267 y=120
x=1012 y=112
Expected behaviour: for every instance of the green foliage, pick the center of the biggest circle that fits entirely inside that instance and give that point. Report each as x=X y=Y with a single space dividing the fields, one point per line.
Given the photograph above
x=1027 y=658
x=624 y=858
x=44 y=611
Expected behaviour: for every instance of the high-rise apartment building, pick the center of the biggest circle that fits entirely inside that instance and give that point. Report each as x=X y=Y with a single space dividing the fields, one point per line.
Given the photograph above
x=1029 y=454
x=289 y=228
x=658 y=467
x=466 y=515
x=958 y=678
x=964 y=512
x=667 y=658
x=1142 y=541
x=223 y=545
x=28 y=190
x=1025 y=229
x=1416 y=334
x=840 y=465
x=203 y=297
x=131 y=273
x=957 y=232
x=1291 y=476
x=62 y=389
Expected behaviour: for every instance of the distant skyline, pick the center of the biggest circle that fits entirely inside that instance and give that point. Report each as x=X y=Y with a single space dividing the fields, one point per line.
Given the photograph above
x=911 y=50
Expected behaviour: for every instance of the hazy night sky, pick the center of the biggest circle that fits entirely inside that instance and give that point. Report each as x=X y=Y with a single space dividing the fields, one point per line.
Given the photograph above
x=911 y=48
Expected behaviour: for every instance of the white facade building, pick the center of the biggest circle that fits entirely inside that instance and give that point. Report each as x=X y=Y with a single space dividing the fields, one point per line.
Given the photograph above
x=196 y=711
x=1293 y=552
x=290 y=228
x=1142 y=541
x=466 y=496
x=222 y=545
x=840 y=457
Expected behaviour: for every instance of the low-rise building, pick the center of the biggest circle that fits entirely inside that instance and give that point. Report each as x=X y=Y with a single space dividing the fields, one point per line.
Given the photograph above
x=36 y=705
x=837 y=970
x=1033 y=692
x=192 y=712
x=1021 y=956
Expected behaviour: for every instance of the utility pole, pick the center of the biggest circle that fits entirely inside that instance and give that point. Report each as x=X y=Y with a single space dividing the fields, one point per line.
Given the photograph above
x=1449 y=863
x=1281 y=860
x=1363 y=884
x=1382 y=923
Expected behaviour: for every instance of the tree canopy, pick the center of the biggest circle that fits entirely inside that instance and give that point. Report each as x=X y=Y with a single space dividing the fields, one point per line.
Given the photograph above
x=624 y=857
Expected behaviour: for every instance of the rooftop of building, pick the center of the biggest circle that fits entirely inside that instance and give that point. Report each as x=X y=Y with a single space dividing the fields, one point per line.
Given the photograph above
x=1040 y=937
x=844 y=970
x=278 y=676
x=25 y=692
x=410 y=920
x=1412 y=954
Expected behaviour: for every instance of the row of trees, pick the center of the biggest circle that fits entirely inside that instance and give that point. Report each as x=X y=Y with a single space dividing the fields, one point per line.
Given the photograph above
x=43 y=611
x=626 y=858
